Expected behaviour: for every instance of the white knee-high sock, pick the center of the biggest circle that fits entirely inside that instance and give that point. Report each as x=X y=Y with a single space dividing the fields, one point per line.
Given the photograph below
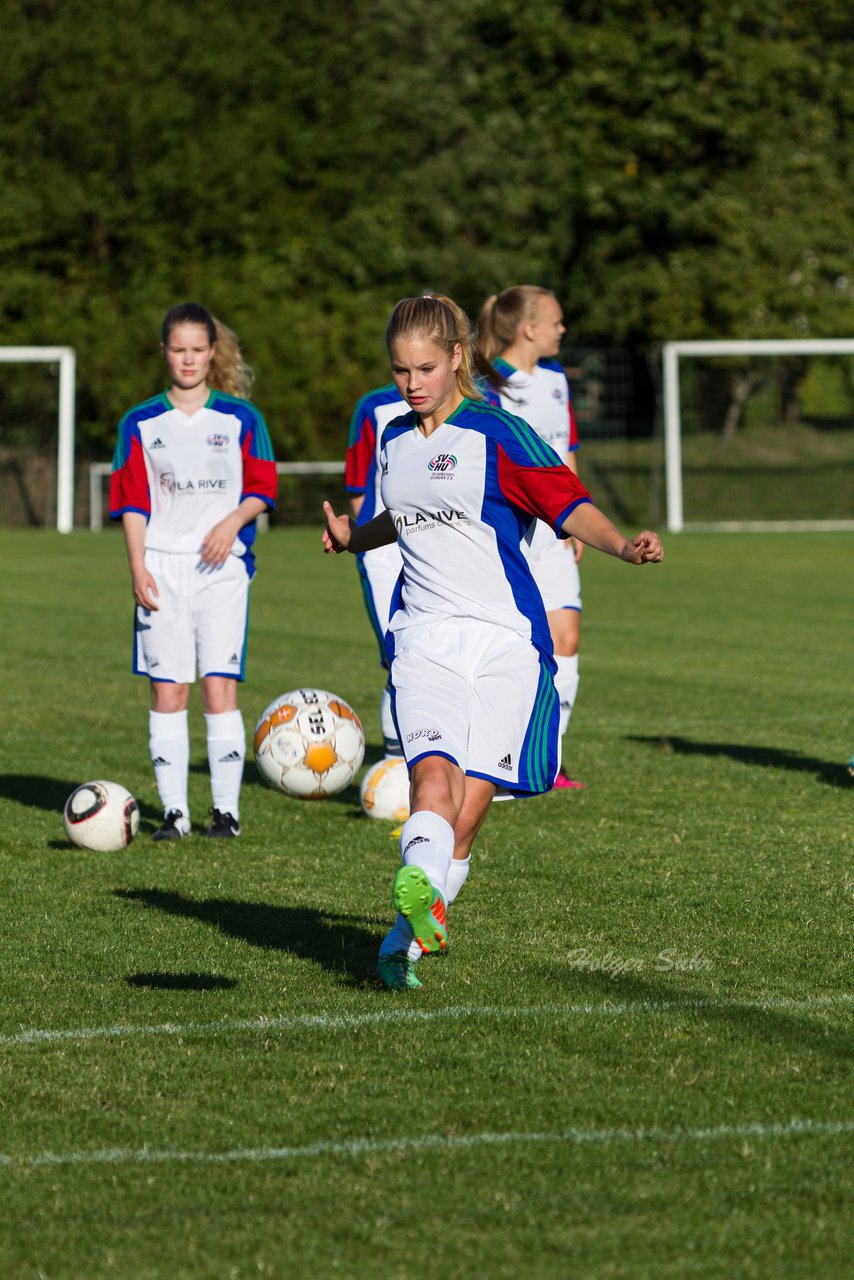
x=427 y=841
x=169 y=744
x=226 y=753
x=457 y=876
x=566 y=683
x=388 y=727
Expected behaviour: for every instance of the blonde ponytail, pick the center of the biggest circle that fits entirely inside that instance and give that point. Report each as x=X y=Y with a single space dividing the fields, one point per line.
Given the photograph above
x=502 y=316
x=229 y=372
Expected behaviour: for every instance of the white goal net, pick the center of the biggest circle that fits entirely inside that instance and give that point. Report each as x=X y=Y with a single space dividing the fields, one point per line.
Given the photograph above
x=759 y=434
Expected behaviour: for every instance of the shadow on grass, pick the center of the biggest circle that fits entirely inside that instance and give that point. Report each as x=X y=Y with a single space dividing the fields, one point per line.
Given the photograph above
x=181 y=981
x=788 y=1030
x=829 y=772
x=34 y=791
x=340 y=944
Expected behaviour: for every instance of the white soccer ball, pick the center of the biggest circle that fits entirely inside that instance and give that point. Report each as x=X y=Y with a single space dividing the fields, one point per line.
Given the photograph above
x=309 y=743
x=384 y=792
x=102 y=816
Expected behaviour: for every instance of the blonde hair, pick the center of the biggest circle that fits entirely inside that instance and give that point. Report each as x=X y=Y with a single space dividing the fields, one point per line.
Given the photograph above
x=503 y=314
x=437 y=317
x=228 y=371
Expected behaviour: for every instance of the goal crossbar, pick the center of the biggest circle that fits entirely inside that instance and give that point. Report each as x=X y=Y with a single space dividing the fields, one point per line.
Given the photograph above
x=671 y=353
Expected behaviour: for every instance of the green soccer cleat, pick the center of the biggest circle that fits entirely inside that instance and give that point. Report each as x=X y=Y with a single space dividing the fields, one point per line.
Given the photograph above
x=423 y=906
x=396 y=972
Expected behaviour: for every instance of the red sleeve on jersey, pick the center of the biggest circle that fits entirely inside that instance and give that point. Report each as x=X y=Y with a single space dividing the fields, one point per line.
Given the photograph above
x=573 y=429
x=549 y=493
x=129 y=484
x=360 y=455
x=260 y=478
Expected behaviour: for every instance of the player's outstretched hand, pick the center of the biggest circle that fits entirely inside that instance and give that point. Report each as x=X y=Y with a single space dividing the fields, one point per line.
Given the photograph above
x=336 y=535
x=645 y=548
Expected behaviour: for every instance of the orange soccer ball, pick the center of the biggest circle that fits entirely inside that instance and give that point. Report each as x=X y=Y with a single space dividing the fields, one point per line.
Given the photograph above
x=309 y=743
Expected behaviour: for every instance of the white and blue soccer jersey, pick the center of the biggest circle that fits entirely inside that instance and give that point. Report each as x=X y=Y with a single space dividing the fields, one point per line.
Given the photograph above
x=544 y=400
x=186 y=473
x=462 y=498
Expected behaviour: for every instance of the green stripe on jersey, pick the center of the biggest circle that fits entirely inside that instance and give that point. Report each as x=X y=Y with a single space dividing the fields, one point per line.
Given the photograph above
x=262 y=445
x=122 y=449
x=525 y=434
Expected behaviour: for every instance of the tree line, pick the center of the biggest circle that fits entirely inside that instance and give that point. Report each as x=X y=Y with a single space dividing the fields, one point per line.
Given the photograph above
x=671 y=170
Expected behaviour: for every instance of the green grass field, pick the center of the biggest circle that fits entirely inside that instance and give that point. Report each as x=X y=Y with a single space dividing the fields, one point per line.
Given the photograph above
x=635 y=1060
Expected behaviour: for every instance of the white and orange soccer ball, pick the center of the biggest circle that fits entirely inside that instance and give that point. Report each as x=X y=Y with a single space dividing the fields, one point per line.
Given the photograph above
x=384 y=792
x=309 y=743
x=102 y=816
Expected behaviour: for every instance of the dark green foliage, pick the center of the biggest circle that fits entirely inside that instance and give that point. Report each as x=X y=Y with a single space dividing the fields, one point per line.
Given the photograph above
x=669 y=171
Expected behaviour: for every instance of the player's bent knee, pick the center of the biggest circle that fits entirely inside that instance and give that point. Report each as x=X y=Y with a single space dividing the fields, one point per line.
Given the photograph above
x=436 y=784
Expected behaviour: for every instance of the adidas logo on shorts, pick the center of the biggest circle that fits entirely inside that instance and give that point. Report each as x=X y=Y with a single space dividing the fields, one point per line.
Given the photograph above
x=506 y=763
x=157 y=444
x=234 y=658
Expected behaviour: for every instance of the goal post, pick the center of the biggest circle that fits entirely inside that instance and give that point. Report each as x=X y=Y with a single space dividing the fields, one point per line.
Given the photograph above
x=672 y=354
x=65 y=358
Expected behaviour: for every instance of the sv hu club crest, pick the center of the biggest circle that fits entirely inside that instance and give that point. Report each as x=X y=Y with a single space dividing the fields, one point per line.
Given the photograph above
x=442 y=463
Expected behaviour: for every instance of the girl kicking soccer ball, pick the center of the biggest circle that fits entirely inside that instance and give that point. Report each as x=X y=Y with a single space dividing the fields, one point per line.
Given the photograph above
x=470 y=655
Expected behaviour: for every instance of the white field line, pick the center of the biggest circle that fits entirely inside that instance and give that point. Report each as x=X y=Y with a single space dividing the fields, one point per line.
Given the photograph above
x=359 y=1147
x=396 y=1017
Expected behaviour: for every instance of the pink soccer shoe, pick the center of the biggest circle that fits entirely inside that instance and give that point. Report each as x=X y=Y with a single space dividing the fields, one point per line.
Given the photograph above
x=563 y=782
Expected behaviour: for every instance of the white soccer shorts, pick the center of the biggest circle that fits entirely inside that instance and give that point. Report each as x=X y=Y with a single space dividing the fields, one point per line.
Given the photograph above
x=480 y=695
x=201 y=620
x=379 y=571
x=552 y=563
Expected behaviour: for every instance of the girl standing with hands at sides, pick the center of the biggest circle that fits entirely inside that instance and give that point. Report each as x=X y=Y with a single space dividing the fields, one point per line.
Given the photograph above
x=471 y=667
x=192 y=470
x=520 y=332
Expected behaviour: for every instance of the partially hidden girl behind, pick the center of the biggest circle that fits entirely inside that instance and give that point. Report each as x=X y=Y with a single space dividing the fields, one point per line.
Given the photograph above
x=520 y=332
x=471 y=666
x=193 y=469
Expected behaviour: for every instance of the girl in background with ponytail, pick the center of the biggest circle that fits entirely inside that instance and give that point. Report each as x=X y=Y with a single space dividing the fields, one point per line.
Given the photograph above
x=520 y=332
x=192 y=470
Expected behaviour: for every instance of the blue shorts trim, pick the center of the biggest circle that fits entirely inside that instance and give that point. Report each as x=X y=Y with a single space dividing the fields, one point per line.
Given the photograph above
x=520 y=792
x=424 y=755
